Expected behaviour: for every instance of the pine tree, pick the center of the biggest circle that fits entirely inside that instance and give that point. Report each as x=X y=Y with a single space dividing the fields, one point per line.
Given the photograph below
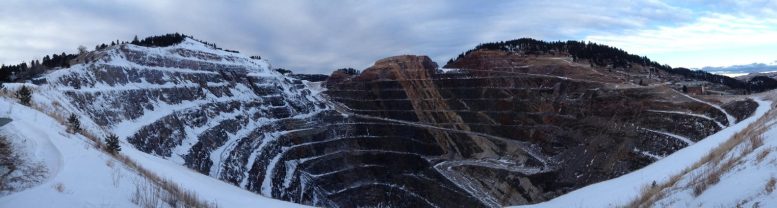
x=135 y=40
x=25 y=95
x=112 y=143
x=74 y=125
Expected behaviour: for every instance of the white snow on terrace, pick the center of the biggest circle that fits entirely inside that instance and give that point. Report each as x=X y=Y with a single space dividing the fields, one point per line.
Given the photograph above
x=315 y=88
x=621 y=190
x=194 y=45
x=161 y=109
x=259 y=68
x=646 y=153
x=208 y=188
x=690 y=114
x=548 y=163
x=82 y=69
x=267 y=182
x=193 y=134
x=475 y=188
x=678 y=137
x=731 y=119
x=101 y=87
x=218 y=155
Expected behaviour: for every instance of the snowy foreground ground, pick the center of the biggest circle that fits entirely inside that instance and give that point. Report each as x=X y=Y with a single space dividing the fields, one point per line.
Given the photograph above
x=81 y=176
x=733 y=188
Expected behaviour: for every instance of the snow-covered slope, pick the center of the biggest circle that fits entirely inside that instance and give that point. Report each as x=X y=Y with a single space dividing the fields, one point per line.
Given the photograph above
x=201 y=107
x=79 y=175
x=183 y=111
x=627 y=188
x=741 y=173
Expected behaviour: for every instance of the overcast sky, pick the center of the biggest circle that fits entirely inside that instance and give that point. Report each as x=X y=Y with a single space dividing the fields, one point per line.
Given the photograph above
x=317 y=36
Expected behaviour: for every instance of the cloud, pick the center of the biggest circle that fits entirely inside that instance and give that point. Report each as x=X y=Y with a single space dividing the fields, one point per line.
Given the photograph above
x=318 y=36
x=713 y=39
x=743 y=69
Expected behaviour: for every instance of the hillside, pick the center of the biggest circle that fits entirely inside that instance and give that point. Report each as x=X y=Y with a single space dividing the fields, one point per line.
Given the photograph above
x=597 y=55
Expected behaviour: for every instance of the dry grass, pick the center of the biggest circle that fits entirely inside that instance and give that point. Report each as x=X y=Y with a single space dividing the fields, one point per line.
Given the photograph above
x=182 y=196
x=770 y=185
x=711 y=176
x=716 y=163
x=149 y=195
x=11 y=93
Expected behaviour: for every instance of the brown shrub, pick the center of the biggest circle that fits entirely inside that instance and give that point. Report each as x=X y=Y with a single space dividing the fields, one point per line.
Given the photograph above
x=760 y=157
x=59 y=187
x=756 y=142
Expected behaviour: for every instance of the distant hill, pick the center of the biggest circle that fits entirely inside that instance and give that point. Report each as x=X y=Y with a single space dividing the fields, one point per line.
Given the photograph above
x=606 y=56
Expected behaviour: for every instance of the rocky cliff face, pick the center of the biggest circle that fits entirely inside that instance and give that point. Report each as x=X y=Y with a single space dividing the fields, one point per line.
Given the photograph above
x=502 y=129
x=515 y=129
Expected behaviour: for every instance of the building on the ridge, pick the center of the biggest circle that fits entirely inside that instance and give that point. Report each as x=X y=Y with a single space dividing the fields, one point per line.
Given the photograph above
x=692 y=87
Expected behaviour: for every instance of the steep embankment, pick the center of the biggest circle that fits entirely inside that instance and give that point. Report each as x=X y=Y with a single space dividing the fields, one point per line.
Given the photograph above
x=206 y=109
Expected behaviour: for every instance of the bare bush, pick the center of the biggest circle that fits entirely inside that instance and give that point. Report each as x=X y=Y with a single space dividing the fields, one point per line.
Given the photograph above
x=711 y=176
x=146 y=195
x=116 y=175
x=770 y=185
x=756 y=141
x=59 y=187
